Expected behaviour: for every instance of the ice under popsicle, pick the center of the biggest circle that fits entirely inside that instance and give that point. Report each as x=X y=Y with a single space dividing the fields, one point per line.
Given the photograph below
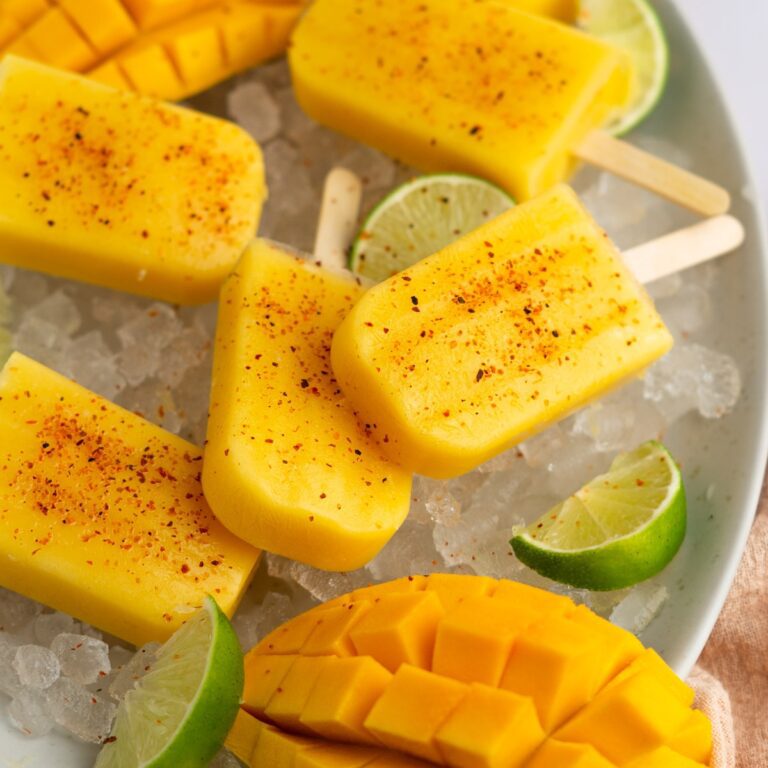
x=120 y=190
x=495 y=337
x=102 y=514
x=287 y=466
x=476 y=86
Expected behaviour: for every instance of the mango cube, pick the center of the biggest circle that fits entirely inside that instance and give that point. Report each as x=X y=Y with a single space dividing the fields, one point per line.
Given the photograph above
x=105 y=23
x=343 y=696
x=287 y=464
x=290 y=698
x=120 y=190
x=152 y=13
x=264 y=676
x=331 y=635
x=490 y=728
x=244 y=735
x=412 y=709
x=474 y=641
x=102 y=513
x=627 y=720
x=399 y=629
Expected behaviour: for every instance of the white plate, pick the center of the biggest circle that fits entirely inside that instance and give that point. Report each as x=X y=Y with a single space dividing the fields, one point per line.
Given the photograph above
x=723 y=460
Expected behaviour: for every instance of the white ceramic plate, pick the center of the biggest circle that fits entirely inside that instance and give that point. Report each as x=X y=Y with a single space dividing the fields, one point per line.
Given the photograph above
x=723 y=460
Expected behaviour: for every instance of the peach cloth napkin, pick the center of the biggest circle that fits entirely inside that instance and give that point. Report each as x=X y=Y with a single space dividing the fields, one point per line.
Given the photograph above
x=731 y=677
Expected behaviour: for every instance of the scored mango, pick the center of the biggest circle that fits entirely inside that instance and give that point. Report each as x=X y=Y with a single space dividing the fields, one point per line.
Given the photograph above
x=120 y=190
x=169 y=49
x=472 y=700
x=287 y=465
x=102 y=514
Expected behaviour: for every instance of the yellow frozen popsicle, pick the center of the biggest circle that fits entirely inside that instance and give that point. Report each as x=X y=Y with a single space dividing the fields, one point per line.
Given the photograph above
x=478 y=87
x=120 y=190
x=287 y=466
x=102 y=514
x=495 y=337
x=481 y=87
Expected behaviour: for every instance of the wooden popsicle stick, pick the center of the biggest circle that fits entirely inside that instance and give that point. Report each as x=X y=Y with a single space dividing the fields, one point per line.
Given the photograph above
x=646 y=170
x=336 y=226
x=685 y=248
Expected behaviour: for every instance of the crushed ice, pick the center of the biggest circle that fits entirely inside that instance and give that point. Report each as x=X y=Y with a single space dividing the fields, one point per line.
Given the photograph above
x=154 y=359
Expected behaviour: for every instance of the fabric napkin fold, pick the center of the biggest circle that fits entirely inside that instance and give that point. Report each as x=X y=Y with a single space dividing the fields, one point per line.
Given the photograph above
x=731 y=677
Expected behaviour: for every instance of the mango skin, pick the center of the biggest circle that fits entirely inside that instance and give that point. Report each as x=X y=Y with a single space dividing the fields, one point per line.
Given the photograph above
x=606 y=701
x=102 y=513
x=287 y=465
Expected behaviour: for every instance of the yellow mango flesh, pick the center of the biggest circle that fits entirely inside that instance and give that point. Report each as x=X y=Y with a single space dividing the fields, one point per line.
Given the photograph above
x=562 y=10
x=102 y=513
x=495 y=337
x=24 y=11
x=150 y=13
x=169 y=49
x=287 y=466
x=589 y=711
x=105 y=24
x=200 y=50
x=116 y=189
x=57 y=42
x=474 y=87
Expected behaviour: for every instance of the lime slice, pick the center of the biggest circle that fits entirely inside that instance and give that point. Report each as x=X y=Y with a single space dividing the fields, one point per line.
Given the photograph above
x=421 y=217
x=180 y=712
x=634 y=26
x=619 y=529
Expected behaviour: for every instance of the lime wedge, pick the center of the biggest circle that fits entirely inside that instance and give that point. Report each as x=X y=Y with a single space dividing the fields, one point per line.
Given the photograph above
x=634 y=26
x=180 y=712
x=420 y=217
x=620 y=528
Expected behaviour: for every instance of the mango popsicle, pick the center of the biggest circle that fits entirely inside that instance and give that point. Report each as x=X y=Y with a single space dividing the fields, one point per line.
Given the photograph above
x=480 y=87
x=477 y=87
x=495 y=337
x=287 y=466
x=102 y=513
x=120 y=190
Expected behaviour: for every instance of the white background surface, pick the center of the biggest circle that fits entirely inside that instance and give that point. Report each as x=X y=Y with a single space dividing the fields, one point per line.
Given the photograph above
x=733 y=35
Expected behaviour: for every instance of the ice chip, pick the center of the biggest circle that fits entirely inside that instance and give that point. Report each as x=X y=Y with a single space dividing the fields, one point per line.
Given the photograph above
x=636 y=611
x=442 y=507
x=410 y=551
x=59 y=310
x=133 y=670
x=693 y=377
x=37 y=667
x=83 y=713
x=84 y=659
x=9 y=677
x=29 y=713
x=42 y=340
x=252 y=106
x=187 y=351
x=687 y=312
x=539 y=450
x=225 y=759
x=16 y=611
x=251 y=626
x=29 y=287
